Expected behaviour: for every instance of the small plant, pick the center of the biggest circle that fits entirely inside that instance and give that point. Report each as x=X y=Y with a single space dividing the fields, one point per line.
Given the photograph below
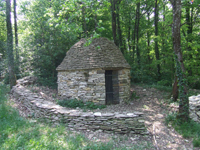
x=146 y=107
x=170 y=118
x=54 y=95
x=74 y=103
x=134 y=96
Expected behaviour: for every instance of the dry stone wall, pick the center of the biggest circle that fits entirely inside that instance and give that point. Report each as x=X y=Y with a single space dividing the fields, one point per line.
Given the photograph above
x=194 y=102
x=127 y=123
x=124 y=85
x=87 y=85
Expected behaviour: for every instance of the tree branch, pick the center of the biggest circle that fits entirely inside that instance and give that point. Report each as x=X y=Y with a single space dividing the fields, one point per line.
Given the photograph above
x=190 y=22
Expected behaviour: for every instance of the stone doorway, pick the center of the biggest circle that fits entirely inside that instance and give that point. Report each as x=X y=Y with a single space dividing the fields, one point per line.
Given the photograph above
x=112 y=87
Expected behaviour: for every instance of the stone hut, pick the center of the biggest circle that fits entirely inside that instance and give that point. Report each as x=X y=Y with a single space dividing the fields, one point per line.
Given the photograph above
x=97 y=73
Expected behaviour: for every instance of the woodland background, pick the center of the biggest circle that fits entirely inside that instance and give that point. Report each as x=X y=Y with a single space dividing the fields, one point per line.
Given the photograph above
x=45 y=29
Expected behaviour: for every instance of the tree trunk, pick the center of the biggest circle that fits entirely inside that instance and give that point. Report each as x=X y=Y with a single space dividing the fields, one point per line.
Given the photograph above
x=84 y=21
x=148 y=40
x=133 y=38
x=180 y=70
x=175 y=92
x=129 y=31
x=16 y=39
x=15 y=22
x=113 y=11
x=137 y=33
x=156 y=39
x=119 y=32
x=12 y=79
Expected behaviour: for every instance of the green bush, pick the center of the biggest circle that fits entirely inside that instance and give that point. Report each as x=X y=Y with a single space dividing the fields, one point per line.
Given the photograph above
x=50 y=82
x=73 y=103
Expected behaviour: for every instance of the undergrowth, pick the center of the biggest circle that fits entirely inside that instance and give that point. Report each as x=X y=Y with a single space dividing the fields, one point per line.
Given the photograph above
x=74 y=103
x=188 y=129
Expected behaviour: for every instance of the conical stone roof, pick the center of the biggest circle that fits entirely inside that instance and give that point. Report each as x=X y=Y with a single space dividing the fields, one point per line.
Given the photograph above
x=101 y=53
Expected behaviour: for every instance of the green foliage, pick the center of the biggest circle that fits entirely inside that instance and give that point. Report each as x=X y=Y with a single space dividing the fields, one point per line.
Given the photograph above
x=134 y=96
x=189 y=129
x=171 y=118
x=196 y=142
x=50 y=82
x=74 y=103
x=47 y=33
x=3 y=29
x=100 y=146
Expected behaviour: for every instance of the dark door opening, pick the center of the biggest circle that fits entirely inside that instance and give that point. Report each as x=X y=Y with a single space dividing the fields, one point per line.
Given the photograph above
x=112 y=87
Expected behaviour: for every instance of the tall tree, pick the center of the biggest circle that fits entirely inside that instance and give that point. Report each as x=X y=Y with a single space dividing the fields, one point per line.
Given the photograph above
x=180 y=69
x=16 y=39
x=137 y=25
x=84 y=19
x=119 y=31
x=114 y=17
x=9 y=49
x=156 y=38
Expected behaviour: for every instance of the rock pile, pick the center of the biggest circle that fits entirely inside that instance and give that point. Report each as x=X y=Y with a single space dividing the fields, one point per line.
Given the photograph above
x=124 y=123
x=194 y=102
x=27 y=80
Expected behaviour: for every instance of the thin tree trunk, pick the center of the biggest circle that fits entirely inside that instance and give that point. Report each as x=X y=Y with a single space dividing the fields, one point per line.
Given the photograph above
x=133 y=38
x=119 y=32
x=163 y=32
x=9 y=49
x=113 y=11
x=148 y=40
x=156 y=40
x=84 y=21
x=137 y=33
x=129 y=32
x=16 y=39
x=15 y=23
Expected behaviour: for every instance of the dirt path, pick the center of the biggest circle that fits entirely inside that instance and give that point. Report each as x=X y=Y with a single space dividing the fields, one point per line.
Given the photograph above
x=150 y=102
x=164 y=137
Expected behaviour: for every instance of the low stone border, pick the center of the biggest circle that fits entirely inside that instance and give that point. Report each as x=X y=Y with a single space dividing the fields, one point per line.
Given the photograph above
x=195 y=108
x=127 y=123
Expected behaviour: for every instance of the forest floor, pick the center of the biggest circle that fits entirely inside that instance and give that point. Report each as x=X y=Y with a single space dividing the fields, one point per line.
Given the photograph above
x=150 y=101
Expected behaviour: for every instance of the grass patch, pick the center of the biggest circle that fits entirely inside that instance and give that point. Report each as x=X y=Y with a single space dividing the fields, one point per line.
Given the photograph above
x=156 y=86
x=189 y=129
x=74 y=103
x=162 y=88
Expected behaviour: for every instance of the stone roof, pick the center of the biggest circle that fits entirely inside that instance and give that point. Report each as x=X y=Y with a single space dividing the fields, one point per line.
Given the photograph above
x=101 y=53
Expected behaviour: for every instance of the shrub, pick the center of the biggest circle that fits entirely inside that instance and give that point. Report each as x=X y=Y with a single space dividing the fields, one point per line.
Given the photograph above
x=74 y=103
